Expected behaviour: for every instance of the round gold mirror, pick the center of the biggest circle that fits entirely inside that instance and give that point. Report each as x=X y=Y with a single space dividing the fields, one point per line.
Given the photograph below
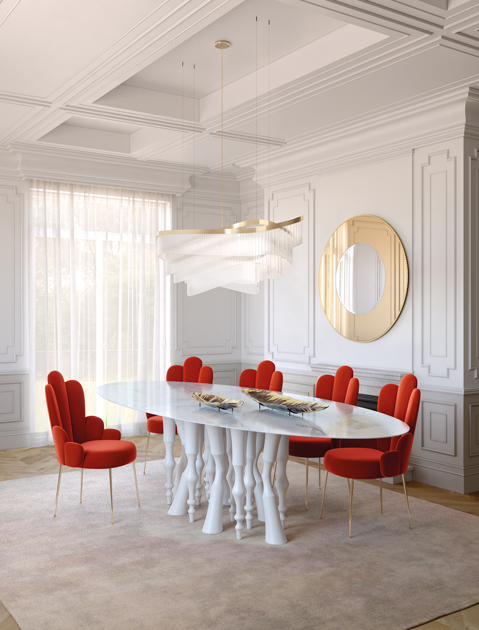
x=363 y=278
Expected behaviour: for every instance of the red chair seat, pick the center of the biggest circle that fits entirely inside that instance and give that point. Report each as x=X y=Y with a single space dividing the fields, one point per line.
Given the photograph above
x=154 y=424
x=354 y=463
x=108 y=453
x=308 y=446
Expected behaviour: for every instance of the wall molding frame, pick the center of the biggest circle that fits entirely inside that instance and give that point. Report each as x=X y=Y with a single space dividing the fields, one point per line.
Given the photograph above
x=473 y=429
x=431 y=411
x=12 y=278
x=472 y=257
x=293 y=292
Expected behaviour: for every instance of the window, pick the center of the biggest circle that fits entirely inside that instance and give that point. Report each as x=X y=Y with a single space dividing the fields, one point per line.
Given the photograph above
x=99 y=296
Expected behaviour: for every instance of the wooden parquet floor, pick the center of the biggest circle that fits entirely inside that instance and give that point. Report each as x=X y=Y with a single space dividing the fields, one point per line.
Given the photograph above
x=32 y=462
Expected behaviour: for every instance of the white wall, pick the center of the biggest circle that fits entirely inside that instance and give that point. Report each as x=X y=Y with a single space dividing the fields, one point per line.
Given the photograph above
x=14 y=365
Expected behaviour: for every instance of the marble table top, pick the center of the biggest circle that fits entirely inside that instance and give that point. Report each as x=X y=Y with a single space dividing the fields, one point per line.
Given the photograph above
x=173 y=400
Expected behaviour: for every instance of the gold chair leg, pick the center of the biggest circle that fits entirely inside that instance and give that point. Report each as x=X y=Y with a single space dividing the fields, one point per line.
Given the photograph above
x=136 y=484
x=319 y=473
x=58 y=490
x=351 y=506
x=324 y=494
x=307 y=480
x=407 y=502
x=381 y=494
x=111 y=497
x=147 y=444
x=81 y=485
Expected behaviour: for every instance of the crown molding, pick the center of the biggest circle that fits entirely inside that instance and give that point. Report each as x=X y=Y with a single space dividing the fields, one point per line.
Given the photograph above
x=24 y=99
x=84 y=167
x=386 y=134
x=129 y=117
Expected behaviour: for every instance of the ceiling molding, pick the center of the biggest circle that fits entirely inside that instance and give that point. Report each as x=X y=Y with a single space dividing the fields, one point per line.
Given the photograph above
x=129 y=117
x=377 y=123
x=249 y=137
x=22 y=99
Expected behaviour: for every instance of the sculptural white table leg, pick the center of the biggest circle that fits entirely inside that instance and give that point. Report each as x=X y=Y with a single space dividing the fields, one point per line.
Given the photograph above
x=214 y=516
x=282 y=483
x=258 y=489
x=249 y=476
x=169 y=463
x=209 y=465
x=230 y=475
x=274 y=533
x=185 y=495
x=199 y=463
x=238 y=438
x=180 y=468
x=191 y=450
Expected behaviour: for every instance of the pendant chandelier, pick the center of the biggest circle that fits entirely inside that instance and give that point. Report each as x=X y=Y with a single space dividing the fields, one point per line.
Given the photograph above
x=236 y=257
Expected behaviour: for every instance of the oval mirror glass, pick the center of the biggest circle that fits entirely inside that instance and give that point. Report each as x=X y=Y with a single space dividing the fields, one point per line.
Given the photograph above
x=360 y=278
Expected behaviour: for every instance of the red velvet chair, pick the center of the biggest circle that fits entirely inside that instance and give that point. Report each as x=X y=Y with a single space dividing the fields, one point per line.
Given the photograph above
x=265 y=377
x=192 y=371
x=386 y=457
x=82 y=441
x=341 y=388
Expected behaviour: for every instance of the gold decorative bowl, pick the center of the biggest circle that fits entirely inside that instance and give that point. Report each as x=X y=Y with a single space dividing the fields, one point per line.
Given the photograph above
x=216 y=401
x=278 y=402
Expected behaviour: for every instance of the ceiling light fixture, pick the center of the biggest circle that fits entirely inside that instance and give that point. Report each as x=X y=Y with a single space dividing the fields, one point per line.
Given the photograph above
x=236 y=257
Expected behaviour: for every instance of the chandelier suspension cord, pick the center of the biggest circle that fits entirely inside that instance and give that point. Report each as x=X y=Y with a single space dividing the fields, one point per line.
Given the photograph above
x=256 y=121
x=221 y=137
x=269 y=113
x=194 y=145
x=182 y=130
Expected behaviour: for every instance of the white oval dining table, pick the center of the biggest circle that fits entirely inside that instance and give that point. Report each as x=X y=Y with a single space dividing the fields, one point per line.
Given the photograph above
x=250 y=428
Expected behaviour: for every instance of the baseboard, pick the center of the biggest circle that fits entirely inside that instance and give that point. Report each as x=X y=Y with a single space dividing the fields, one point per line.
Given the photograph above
x=408 y=476
x=14 y=441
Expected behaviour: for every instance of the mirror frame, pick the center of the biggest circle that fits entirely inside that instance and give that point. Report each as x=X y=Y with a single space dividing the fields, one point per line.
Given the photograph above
x=373 y=231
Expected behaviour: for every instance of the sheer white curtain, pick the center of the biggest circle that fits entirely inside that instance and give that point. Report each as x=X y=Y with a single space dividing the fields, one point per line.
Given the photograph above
x=99 y=298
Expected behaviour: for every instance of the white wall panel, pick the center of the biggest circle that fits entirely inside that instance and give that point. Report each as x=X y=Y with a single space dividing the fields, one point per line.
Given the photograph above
x=438 y=427
x=11 y=278
x=437 y=273
x=206 y=323
x=11 y=400
x=291 y=298
x=471 y=296
x=473 y=437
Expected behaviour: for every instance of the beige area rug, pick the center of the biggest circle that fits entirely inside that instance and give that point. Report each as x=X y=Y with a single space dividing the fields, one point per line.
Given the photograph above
x=151 y=571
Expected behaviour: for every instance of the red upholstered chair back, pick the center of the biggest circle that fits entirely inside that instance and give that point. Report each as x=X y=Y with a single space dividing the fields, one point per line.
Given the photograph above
x=394 y=400
x=66 y=406
x=265 y=377
x=263 y=374
x=206 y=374
x=192 y=371
x=276 y=383
x=341 y=388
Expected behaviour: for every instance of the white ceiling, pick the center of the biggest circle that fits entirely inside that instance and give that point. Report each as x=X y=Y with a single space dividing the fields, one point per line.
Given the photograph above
x=90 y=77
x=252 y=41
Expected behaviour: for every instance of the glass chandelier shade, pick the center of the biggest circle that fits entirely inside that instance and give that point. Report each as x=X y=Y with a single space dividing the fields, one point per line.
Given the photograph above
x=237 y=257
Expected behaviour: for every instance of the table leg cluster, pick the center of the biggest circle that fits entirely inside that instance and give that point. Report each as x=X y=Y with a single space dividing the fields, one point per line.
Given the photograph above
x=232 y=477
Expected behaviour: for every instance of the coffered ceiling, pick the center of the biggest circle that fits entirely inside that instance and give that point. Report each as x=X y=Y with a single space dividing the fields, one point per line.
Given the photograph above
x=144 y=82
